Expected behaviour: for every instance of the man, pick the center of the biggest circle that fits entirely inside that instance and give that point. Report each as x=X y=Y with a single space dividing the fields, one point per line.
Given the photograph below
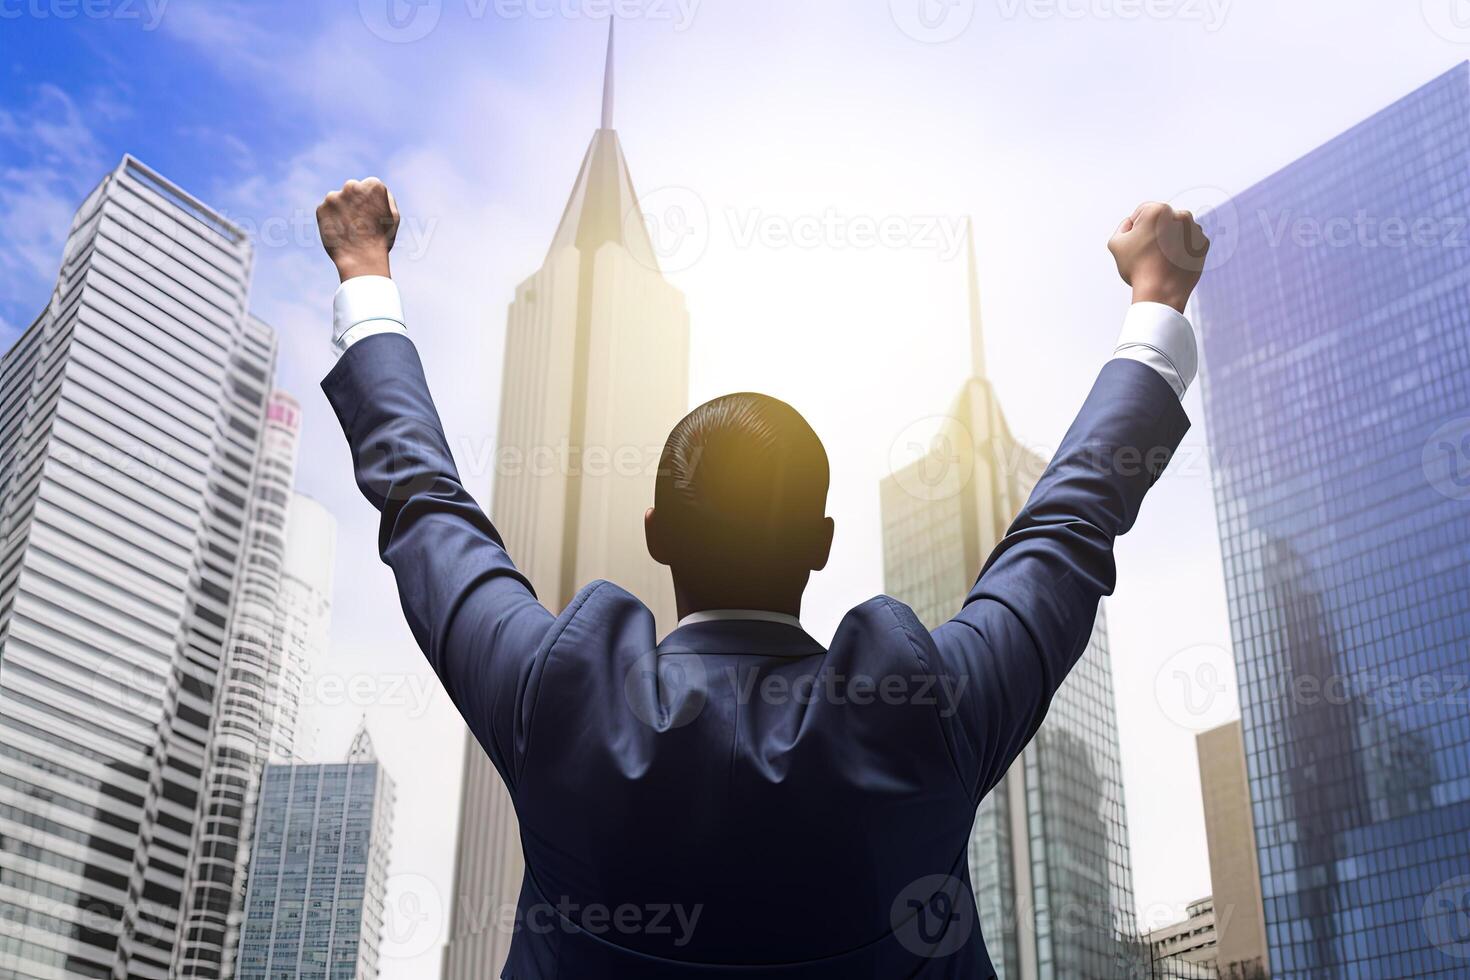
x=736 y=800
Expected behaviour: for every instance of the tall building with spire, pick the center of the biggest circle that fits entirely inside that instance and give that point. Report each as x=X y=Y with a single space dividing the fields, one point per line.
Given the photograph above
x=1049 y=850
x=595 y=377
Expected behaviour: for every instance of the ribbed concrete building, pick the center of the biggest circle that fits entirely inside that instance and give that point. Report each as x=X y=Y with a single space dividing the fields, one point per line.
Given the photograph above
x=304 y=620
x=596 y=375
x=131 y=414
x=1049 y=850
x=246 y=708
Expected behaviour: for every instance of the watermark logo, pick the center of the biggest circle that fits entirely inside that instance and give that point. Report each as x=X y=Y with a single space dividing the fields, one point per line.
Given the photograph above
x=414 y=917
x=1210 y=14
x=934 y=916
x=933 y=459
x=933 y=21
x=1450 y=19
x=148 y=12
x=401 y=21
x=1214 y=208
x=1447 y=459
x=677 y=223
x=1446 y=917
x=667 y=690
x=1196 y=688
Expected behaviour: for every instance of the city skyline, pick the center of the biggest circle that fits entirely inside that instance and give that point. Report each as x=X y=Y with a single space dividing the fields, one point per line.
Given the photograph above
x=1289 y=111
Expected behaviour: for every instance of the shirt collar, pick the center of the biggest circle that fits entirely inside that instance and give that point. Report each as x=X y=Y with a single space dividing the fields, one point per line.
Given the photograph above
x=726 y=615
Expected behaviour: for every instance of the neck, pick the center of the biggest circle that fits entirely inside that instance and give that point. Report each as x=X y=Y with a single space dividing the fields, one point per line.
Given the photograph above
x=690 y=602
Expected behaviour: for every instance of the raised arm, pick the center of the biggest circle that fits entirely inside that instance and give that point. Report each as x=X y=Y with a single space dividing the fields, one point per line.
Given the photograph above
x=473 y=614
x=1030 y=615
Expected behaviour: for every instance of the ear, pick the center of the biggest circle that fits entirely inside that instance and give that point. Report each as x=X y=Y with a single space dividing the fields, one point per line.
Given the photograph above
x=653 y=534
x=822 y=544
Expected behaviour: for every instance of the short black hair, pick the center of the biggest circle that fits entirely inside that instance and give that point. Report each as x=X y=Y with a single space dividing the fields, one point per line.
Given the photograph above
x=740 y=475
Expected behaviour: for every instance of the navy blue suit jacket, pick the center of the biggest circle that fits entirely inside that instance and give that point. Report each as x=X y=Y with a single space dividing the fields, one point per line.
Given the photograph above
x=737 y=800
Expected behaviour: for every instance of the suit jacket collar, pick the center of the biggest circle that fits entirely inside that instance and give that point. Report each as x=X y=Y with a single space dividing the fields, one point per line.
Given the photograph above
x=741 y=637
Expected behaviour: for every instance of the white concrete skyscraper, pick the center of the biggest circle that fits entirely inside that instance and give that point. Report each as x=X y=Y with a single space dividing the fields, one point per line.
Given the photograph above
x=131 y=414
x=304 y=617
x=1049 y=851
x=248 y=708
x=596 y=375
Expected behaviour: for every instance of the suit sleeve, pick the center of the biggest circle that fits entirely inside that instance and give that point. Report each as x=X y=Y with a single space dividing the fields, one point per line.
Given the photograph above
x=1029 y=617
x=473 y=613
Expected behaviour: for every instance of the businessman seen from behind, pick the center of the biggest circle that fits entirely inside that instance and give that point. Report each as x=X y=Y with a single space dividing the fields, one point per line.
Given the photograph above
x=737 y=800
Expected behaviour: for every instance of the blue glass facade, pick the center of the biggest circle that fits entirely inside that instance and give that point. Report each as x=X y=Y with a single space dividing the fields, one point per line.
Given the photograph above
x=1336 y=341
x=314 y=905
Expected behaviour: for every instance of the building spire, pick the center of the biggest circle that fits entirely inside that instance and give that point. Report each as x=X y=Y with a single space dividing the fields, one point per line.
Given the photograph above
x=977 y=324
x=361 y=749
x=607 y=77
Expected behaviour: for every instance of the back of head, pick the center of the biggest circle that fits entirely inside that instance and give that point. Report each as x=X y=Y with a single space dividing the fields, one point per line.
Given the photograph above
x=742 y=488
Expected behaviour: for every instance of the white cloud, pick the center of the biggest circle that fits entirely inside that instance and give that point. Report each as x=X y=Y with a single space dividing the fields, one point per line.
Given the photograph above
x=56 y=157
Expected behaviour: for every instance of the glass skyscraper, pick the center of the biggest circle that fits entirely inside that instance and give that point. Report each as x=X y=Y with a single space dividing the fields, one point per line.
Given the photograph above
x=318 y=870
x=1336 y=330
x=1049 y=850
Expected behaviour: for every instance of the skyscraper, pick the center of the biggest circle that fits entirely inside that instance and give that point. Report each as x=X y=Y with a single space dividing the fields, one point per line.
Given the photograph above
x=1337 y=388
x=319 y=870
x=1049 y=851
x=1235 y=875
x=255 y=714
x=596 y=374
x=304 y=619
x=131 y=414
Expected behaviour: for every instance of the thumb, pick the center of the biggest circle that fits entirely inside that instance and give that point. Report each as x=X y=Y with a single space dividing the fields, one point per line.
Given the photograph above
x=394 y=218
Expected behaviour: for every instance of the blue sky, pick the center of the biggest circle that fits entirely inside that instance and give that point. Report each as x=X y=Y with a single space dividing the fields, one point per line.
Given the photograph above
x=1047 y=120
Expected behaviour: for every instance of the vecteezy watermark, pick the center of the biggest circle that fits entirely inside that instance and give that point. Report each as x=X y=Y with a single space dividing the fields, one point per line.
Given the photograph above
x=934 y=916
x=942 y=692
x=1210 y=14
x=933 y=459
x=298 y=229
x=413 y=694
x=1196 y=689
x=676 y=223
x=1214 y=208
x=148 y=12
x=1446 y=917
x=834 y=230
x=479 y=915
x=933 y=21
x=406 y=21
x=1369 y=689
x=667 y=690
x=414 y=918
x=1447 y=459
x=1366 y=230
x=1450 y=19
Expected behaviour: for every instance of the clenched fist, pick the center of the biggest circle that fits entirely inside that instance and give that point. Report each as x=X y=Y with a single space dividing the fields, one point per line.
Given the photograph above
x=1161 y=254
x=358 y=225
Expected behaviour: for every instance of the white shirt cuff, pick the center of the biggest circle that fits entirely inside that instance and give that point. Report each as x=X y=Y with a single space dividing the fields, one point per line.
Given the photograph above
x=1161 y=337
x=364 y=306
